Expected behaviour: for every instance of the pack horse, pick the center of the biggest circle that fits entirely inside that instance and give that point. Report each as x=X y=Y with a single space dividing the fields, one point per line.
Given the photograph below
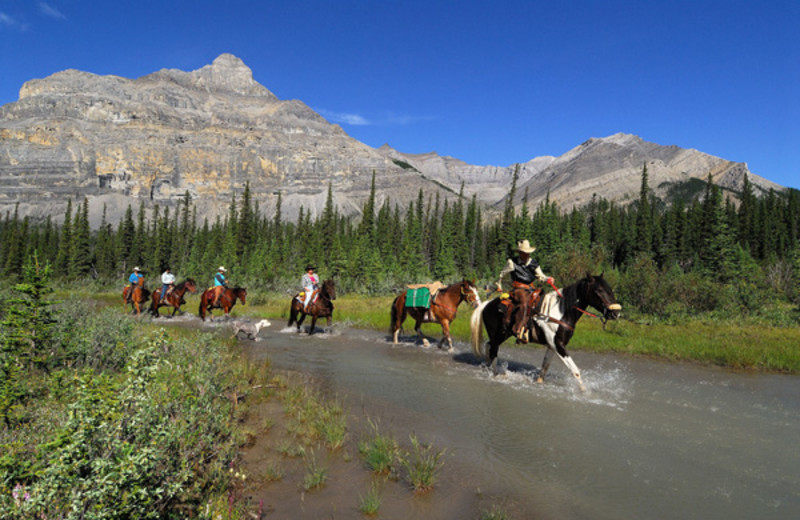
x=439 y=308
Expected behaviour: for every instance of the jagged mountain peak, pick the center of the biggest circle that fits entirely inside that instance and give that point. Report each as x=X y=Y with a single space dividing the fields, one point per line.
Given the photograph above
x=227 y=74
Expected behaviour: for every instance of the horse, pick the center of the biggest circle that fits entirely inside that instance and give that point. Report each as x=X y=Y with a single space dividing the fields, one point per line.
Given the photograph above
x=175 y=298
x=226 y=301
x=552 y=324
x=322 y=307
x=138 y=298
x=442 y=310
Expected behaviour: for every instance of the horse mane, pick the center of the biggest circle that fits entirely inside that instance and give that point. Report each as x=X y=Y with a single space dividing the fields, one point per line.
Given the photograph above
x=570 y=297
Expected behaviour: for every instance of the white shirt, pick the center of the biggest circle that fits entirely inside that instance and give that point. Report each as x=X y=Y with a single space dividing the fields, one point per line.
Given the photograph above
x=167 y=278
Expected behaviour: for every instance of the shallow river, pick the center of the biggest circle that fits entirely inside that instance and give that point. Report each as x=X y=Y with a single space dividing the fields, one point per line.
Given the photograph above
x=648 y=440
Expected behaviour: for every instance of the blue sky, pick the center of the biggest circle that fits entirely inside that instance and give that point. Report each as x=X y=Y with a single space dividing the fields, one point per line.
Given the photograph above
x=489 y=82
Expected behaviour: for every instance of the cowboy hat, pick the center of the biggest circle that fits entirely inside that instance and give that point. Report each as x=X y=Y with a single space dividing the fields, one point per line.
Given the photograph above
x=310 y=267
x=136 y=269
x=523 y=246
x=222 y=269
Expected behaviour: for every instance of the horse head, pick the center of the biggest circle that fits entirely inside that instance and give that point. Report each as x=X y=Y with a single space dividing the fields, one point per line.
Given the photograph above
x=600 y=296
x=190 y=285
x=329 y=289
x=469 y=291
x=241 y=293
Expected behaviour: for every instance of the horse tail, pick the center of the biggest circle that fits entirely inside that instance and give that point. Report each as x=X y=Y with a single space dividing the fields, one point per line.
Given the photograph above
x=475 y=327
x=393 y=316
x=201 y=311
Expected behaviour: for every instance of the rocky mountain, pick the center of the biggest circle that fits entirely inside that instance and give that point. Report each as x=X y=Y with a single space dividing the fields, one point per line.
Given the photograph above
x=120 y=141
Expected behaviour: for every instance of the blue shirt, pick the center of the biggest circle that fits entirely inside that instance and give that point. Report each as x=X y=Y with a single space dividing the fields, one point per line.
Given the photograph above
x=219 y=279
x=134 y=278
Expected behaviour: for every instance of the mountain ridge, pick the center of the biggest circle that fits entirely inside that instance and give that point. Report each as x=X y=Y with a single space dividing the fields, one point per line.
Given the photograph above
x=211 y=131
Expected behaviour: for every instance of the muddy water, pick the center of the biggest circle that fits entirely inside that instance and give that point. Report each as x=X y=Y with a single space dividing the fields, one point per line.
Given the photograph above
x=648 y=440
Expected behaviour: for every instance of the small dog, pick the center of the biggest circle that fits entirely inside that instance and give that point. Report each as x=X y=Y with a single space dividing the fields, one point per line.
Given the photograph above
x=251 y=329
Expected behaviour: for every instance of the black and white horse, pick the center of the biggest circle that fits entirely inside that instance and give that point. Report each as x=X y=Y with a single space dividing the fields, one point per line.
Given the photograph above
x=552 y=325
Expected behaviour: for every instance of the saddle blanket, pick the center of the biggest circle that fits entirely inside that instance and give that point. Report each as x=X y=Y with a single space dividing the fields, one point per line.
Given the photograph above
x=301 y=297
x=420 y=297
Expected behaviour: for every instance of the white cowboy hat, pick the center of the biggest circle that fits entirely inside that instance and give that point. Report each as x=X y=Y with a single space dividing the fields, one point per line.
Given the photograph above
x=136 y=269
x=221 y=269
x=523 y=246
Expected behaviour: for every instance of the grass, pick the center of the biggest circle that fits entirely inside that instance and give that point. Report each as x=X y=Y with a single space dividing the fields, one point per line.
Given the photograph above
x=316 y=474
x=370 y=503
x=379 y=451
x=422 y=464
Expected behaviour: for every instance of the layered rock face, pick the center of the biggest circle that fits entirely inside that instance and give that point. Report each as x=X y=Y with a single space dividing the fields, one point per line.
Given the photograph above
x=211 y=131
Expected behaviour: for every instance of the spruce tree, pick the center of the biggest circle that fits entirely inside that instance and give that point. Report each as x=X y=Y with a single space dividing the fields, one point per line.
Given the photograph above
x=80 y=262
x=65 y=243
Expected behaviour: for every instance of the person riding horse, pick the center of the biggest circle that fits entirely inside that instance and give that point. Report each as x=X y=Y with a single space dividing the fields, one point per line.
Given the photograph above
x=523 y=271
x=134 y=278
x=220 y=283
x=310 y=284
x=167 y=283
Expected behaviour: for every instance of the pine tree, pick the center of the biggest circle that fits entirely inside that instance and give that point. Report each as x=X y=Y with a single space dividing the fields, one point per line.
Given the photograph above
x=644 y=221
x=63 y=256
x=80 y=261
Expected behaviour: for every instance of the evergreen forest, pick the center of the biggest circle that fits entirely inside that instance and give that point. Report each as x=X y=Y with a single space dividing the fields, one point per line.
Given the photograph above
x=710 y=253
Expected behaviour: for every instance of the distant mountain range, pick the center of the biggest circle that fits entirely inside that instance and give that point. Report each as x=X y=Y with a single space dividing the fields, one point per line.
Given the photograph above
x=121 y=141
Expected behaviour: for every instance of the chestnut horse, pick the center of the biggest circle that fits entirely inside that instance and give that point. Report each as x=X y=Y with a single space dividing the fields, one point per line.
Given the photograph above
x=552 y=324
x=138 y=298
x=175 y=298
x=442 y=310
x=322 y=307
x=226 y=301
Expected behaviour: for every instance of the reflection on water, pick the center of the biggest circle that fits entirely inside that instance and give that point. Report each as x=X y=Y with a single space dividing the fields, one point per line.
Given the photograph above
x=647 y=440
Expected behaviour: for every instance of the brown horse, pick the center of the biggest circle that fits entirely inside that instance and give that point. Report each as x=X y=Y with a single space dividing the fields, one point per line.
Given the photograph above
x=322 y=307
x=175 y=298
x=226 y=301
x=138 y=298
x=442 y=310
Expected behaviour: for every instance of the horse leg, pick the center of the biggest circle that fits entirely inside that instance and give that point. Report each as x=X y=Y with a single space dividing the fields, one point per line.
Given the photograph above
x=397 y=325
x=568 y=362
x=418 y=328
x=313 y=323
x=548 y=357
x=446 y=336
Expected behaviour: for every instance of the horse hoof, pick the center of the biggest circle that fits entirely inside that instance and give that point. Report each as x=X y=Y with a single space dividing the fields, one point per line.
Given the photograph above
x=539 y=380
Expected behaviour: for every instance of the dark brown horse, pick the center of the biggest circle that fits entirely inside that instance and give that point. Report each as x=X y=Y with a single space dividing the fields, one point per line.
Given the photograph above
x=552 y=324
x=442 y=310
x=175 y=298
x=226 y=301
x=322 y=307
x=138 y=298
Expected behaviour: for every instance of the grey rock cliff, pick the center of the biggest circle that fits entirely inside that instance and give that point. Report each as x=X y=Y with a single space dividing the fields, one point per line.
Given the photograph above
x=209 y=132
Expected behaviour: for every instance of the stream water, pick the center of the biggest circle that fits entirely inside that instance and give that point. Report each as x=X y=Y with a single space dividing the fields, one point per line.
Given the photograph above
x=647 y=440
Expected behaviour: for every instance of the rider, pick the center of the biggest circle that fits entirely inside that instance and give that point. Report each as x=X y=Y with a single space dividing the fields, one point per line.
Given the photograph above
x=134 y=278
x=310 y=283
x=167 y=283
x=220 y=283
x=523 y=271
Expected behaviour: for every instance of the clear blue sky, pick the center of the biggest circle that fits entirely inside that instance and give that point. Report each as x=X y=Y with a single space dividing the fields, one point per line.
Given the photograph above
x=489 y=82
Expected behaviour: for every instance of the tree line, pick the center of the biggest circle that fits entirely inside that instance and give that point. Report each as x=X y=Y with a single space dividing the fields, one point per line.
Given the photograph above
x=710 y=238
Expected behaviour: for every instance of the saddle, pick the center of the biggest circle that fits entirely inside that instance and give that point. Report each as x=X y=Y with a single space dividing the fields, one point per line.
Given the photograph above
x=301 y=297
x=523 y=299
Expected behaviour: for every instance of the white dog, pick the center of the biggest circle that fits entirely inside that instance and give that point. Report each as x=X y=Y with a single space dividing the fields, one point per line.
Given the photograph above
x=251 y=329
